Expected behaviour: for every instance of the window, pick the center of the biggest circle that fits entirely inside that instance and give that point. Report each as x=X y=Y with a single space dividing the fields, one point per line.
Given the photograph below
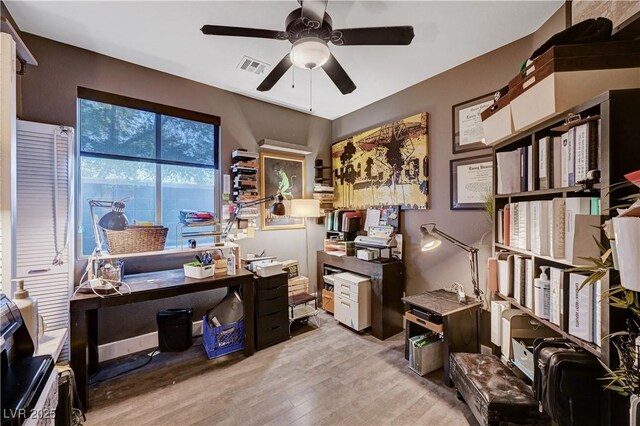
x=162 y=159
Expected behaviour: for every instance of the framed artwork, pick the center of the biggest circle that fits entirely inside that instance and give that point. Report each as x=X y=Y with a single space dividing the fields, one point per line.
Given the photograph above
x=471 y=182
x=388 y=165
x=285 y=175
x=468 y=134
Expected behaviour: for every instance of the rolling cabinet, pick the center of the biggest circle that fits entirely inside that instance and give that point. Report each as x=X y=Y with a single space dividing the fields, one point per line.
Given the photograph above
x=272 y=317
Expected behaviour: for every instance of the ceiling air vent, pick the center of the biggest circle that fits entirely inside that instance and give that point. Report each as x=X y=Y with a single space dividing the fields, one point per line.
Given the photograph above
x=252 y=65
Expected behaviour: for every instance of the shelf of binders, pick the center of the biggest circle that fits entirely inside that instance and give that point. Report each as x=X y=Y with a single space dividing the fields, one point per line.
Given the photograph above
x=542 y=193
x=600 y=138
x=591 y=347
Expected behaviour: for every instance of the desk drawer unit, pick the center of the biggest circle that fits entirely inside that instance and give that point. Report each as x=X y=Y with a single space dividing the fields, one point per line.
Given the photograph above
x=352 y=300
x=272 y=318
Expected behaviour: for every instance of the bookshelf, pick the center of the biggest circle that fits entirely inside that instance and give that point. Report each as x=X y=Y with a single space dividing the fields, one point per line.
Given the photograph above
x=619 y=153
x=594 y=349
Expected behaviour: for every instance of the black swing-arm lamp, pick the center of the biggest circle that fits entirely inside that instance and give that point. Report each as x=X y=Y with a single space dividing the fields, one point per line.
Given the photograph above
x=431 y=238
x=277 y=208
x=114 y=220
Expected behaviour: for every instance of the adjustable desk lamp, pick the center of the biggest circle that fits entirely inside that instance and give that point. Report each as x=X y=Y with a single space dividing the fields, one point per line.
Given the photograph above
x=277 y=208
x=431 y=238
x=115 y=220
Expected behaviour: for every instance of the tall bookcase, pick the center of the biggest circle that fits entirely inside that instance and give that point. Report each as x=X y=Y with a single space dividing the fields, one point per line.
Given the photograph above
x=619 y=147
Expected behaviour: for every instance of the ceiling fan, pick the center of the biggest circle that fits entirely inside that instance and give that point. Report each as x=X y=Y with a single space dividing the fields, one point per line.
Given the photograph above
x=309 y=29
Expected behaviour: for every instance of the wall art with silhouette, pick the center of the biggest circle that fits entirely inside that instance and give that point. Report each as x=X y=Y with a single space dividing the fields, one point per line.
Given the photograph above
x=388 y=165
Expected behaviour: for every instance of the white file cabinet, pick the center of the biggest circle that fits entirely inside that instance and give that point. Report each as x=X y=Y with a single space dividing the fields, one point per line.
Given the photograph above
x=352 y=300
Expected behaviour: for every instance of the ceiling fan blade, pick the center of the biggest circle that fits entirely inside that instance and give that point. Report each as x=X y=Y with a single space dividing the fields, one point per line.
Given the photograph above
x=276 y=74
x=338 y=75
x=373 y=36
x=314 y=11
x=221 y=30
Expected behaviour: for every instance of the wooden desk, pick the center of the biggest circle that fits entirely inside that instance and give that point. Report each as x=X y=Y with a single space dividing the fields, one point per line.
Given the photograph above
x=144 y=287
x=458 y=323
x=387 y=287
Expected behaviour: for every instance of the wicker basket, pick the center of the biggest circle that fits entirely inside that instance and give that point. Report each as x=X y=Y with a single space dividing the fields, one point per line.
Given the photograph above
x=136 y=239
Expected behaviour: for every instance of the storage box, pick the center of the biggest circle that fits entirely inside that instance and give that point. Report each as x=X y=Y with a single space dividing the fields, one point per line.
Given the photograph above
x=518 y=325
x=423 y=360
x=523 y=356
x=347 y=247
x=268 y=268
x=327 y=300
x=298 y=285
x=566 y=76
x=194 y=270
x=223 y=340
x=497 y=122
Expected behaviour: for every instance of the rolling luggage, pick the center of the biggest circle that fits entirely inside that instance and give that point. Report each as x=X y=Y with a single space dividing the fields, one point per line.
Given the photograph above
x=566 y=383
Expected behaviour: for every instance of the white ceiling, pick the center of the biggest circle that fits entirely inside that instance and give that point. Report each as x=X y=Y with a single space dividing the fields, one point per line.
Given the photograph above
x=165 y=35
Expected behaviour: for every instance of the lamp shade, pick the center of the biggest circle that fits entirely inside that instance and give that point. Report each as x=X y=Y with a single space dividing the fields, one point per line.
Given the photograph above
x=305 y=208
x=309 y=53
x=429 y=241
x=115 y=220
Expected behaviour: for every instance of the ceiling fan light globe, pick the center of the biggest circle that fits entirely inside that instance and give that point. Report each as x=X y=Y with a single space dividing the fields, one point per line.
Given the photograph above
x=309 y=53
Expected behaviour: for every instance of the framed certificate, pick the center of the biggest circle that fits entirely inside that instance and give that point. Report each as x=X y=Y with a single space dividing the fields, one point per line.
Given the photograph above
x=471 y=182
x=468 y=134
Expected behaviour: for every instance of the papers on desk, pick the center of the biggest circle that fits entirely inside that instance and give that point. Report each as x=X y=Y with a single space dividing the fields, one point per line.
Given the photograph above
x=336 y=253
x=373 y=219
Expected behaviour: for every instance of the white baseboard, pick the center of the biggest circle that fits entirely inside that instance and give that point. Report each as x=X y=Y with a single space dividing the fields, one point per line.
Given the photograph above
x=136 y=344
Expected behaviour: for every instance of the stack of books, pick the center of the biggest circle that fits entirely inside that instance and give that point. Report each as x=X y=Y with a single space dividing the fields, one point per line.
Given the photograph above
x=561 y=161
x=323 y=193
x=245 y=180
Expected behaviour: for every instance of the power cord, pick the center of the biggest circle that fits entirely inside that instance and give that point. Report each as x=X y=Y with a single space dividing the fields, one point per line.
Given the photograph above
x=154 y=353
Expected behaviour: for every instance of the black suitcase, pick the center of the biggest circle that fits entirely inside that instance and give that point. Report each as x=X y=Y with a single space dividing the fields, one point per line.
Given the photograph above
x=566 y=383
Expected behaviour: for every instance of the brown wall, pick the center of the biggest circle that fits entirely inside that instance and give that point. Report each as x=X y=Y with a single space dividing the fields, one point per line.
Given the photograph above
x=49 y=95
x=436 y=95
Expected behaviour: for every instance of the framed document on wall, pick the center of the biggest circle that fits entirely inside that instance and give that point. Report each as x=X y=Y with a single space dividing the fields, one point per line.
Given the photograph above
x=468 y=134
x=471 y=182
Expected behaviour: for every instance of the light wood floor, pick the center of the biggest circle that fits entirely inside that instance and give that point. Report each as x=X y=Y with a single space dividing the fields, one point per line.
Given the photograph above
x=323 y=376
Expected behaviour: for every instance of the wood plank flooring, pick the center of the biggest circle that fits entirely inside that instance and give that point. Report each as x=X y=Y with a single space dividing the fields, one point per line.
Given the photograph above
x=324 y=376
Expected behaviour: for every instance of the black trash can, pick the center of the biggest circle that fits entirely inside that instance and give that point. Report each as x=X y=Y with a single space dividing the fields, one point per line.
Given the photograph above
x=175 y=329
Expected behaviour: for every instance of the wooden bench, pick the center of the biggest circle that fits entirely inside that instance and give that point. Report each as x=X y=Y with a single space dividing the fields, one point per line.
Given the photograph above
x=492 y=392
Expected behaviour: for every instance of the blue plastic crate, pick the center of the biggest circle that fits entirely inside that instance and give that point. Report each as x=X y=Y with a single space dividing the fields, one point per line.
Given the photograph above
x=223 y=340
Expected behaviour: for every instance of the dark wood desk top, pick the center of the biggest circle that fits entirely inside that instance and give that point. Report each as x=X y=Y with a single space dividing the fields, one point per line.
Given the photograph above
x=158 y=285
x=353 y=264
x=440 y=301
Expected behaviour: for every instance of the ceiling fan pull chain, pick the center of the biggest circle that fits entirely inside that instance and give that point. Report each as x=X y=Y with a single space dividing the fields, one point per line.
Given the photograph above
x=293 y=72
x=310 y=90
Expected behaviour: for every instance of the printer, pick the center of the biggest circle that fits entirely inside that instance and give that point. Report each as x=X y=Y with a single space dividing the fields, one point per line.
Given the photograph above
x=379 y=239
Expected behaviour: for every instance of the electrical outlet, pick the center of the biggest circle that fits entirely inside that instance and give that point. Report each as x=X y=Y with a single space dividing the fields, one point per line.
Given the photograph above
x=486 y=350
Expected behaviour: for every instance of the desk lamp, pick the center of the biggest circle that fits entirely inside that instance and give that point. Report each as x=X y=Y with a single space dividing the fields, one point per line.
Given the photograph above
x=305 y=208
x=115 y=220
x=277 y=208
x=432 y=238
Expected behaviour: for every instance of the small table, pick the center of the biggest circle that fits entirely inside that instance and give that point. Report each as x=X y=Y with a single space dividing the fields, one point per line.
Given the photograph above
x=299 y=308
x=440 y=312
x=144 y=287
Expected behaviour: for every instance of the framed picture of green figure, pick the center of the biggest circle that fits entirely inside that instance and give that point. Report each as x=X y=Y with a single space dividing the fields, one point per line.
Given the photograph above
x=281 y=174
